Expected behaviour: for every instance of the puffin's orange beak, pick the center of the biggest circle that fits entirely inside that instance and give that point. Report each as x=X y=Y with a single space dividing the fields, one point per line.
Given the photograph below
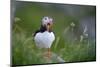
x=48 y=27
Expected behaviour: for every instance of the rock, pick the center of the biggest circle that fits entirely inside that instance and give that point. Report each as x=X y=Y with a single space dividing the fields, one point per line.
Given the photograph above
x=54 y=59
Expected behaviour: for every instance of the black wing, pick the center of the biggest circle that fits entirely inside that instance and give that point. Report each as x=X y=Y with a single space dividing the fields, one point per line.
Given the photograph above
x=36 y=32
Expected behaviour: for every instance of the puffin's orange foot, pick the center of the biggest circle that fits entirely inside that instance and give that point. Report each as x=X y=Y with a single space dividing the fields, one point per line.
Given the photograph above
x=49 y=55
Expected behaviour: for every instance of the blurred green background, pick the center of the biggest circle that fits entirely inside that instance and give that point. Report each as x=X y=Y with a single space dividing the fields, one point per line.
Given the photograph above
x=74 y=28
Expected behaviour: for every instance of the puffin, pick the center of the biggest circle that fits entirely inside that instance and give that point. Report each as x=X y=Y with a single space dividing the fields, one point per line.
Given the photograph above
x=44 y=36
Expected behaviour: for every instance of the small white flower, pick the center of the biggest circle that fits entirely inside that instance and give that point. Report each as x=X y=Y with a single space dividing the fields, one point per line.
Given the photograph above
x=17 y=19
x=81 y=38
x=72 y=24
x=86 y=35
x=85 y=29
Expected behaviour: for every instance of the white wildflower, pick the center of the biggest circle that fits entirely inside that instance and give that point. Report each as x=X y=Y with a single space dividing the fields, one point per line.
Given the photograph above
x=16 y=19
x=81 y=38
x=85 y=29
x=72 y=24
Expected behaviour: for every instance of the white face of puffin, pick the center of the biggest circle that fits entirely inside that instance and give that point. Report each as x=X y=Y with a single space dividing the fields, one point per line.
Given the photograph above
x=48 y=22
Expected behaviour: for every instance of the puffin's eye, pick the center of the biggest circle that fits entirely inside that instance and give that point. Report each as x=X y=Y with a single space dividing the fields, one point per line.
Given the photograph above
x=45 y=18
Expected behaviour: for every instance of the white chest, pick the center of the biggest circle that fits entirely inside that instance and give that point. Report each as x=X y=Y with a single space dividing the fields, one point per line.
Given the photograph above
x=44 y=40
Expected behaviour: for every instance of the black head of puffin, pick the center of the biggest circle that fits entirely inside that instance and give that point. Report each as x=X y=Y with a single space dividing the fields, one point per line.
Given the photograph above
x=47 y=22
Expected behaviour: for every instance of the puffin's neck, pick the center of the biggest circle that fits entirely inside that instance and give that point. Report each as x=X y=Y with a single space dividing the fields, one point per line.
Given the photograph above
x=43 y=29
